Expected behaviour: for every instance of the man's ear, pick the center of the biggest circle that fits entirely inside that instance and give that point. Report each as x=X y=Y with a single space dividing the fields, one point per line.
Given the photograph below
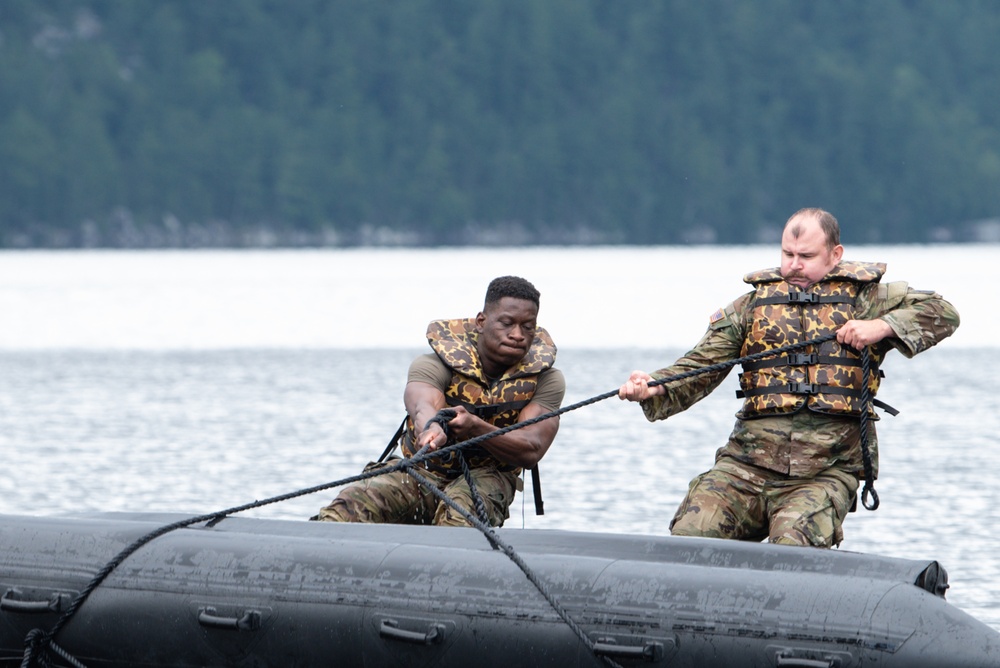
x=838 y=252
x=480 y=321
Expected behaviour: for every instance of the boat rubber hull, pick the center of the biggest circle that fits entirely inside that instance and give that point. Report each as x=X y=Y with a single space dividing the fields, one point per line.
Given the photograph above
x=255 y=592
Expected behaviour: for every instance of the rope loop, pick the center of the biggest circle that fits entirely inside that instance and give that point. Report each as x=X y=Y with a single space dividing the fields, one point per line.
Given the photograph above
x=441 y=419
x=868 y=492
x=869 y=489
x=36 y=645
x=34 y=642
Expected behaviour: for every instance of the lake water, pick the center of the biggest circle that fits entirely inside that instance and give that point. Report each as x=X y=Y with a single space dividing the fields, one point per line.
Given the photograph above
x=198 y=381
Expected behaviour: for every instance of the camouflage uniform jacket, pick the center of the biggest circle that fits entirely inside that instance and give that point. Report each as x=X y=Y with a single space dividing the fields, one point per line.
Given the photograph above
x=803 y=443
x=499 y=402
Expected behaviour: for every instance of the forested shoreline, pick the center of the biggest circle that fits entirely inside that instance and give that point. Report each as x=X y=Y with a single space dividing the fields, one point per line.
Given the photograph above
x=259 y=123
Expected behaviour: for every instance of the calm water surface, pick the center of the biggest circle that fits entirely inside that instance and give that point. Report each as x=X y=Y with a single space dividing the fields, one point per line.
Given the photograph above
x=196 y=382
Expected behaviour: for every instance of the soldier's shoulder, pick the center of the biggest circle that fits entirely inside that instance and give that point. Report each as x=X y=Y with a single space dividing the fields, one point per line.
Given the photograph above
x=730 y=314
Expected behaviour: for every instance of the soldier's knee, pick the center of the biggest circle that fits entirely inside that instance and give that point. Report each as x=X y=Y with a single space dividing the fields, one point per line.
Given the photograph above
x=340 y=510
x=823 y=528
x=794 y=539
x=447 y=517
x=495 y=493
x=696 y=521
x=706 y=517
x=681 y=529
x=328 y=514
x=355 y=503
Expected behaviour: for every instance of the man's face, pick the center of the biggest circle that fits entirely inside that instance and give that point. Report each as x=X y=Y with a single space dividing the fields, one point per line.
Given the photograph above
x=506 y=330
x=805 y=258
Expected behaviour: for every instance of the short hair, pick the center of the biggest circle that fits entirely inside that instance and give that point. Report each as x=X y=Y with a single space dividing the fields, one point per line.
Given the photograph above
x=827 y=223
x=511 y=286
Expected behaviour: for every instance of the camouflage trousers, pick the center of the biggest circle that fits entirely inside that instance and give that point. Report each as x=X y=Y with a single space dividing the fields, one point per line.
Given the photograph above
x=742 y=502
x=398 y=498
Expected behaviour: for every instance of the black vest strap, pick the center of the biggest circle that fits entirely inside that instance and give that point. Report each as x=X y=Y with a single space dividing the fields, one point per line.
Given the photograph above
x=801 y=359
x=487 y=412
x=805 y=359
x=394 y=441
x=886 y=407
x=812 y=388
x=536 y=487
x=798 y=388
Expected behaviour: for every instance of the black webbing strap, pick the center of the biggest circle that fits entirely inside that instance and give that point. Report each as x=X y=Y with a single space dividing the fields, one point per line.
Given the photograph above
x=886 y=407
x=813 y=388
x=806 y=359
x=797 y=297
x=798 y=388
x=394 y=441
x=801 y=359
x=536 y=488
x=487 y=412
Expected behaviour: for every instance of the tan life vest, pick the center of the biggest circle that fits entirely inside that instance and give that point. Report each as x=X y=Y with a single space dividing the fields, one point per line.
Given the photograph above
x=499 y=403
x=827 y=379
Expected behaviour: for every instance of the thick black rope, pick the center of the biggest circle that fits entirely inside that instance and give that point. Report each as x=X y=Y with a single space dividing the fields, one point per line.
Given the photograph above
x=614 y=393
x=37 y=641
x=477 y=499
x=866 y=455
x=499 y=544
x=441 y=419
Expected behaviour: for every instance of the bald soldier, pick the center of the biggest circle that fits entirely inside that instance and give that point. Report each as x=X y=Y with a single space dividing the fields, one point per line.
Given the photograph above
x=791 y=468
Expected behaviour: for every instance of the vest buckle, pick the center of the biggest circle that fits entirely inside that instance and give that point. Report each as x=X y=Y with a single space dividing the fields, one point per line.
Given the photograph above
x=803 y=388
x=798 y=297
x=796 y=359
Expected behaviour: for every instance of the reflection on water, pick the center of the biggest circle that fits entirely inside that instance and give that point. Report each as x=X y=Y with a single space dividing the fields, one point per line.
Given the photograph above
x=202 y=431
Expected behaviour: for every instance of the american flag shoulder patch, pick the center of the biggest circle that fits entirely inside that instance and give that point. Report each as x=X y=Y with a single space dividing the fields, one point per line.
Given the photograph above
x=716 y=317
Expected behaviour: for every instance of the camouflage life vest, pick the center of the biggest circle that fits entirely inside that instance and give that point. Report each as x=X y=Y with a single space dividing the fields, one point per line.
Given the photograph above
x=826 y=380
x=500 y=404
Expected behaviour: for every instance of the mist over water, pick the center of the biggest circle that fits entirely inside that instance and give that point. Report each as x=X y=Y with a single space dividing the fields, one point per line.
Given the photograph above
x=197 y=381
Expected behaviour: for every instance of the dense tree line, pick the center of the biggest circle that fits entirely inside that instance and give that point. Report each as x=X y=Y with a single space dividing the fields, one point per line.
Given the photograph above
x=305 y=122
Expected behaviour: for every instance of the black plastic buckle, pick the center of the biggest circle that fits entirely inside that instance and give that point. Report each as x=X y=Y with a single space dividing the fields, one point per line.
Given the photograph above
x=802 y=358
x=803 y=388
x=802 y=298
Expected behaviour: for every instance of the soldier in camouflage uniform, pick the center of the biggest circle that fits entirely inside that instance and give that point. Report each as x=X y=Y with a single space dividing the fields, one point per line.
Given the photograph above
x=493 y=370
x=791 y=468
